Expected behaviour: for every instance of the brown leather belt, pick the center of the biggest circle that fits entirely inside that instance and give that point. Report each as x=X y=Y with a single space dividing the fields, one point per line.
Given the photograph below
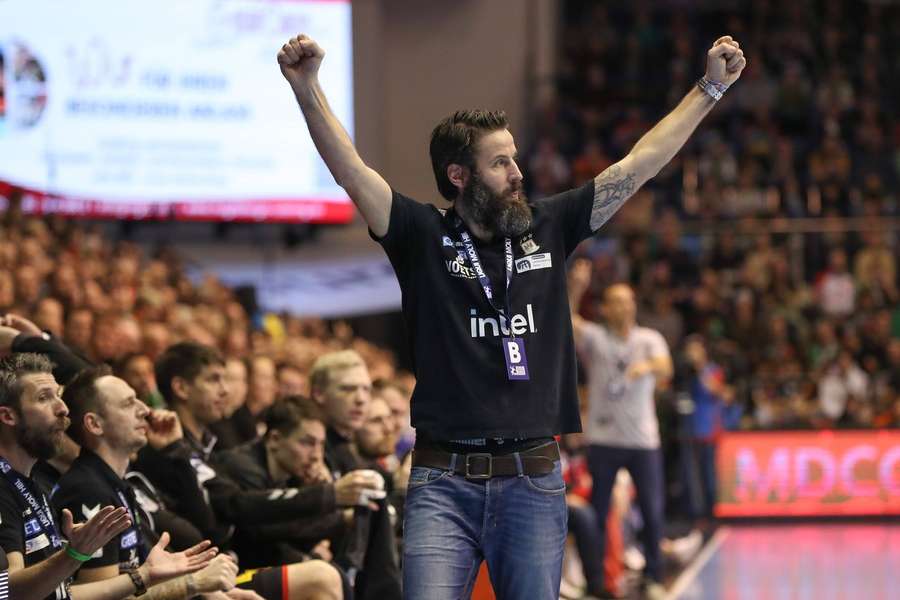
x=481 y=465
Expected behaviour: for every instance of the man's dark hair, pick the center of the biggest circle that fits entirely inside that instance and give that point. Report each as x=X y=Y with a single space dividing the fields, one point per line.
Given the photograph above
x=81 y=397
x=453 y=142
x=185 y=360
x=13 y=368
x=381 y=384
x=285 y=415
x=119 y=367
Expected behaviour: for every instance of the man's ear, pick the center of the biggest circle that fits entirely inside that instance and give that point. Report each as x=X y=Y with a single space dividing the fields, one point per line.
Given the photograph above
x=179 y=387
x=8 y=416
x=92 y=424
x=458 y=175
x=318 y=396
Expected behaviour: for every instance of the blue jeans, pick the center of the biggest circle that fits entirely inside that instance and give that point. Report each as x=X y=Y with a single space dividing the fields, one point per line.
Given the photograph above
x=698 y=463
x=645 y=468
x=451 y=524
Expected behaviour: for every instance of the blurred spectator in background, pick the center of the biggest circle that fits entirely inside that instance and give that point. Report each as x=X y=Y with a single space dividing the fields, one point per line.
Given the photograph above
x=397 y=398
x=704 y=422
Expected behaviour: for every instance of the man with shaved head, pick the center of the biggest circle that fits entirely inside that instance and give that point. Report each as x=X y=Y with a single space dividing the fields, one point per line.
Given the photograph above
x=625 y=364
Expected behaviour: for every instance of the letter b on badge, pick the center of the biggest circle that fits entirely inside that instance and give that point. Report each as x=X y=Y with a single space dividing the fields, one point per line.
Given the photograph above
x=516 y=361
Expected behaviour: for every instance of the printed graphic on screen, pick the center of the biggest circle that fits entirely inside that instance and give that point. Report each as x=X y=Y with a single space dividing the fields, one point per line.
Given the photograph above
x=168 y=108
x=808 y=473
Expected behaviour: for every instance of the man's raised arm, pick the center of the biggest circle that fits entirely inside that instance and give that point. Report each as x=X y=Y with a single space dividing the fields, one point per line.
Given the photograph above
x=724 y=63
x=299 y=60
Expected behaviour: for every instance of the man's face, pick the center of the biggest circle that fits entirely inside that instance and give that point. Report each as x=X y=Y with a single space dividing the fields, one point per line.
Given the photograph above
x=493 y=194
x=43 y=416
x=123 y=416
x=49 y=316
x=619 y=307
x=263 y=385
x=301 y=452
x=236 y=382
x=378 y=435
x=292 y=382
x=79 y=328
x=139 y=374
x=346 y=397
x=399 y=406
x=207 y=395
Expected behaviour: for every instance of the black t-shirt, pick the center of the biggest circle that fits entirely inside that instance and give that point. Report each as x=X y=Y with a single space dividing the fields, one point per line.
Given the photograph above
x=23 y=531
x=462 y=388
x=86 y=488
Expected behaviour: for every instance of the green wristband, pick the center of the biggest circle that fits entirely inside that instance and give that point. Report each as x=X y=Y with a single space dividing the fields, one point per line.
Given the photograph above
x=72 y=552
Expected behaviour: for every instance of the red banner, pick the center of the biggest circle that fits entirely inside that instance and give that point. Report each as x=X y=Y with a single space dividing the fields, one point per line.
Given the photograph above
x=268 y=210
x=822 y=473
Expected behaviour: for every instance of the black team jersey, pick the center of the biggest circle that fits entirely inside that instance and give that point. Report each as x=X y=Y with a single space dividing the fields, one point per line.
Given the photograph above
x=89 y=485
x=462 y=388
x=27 y=525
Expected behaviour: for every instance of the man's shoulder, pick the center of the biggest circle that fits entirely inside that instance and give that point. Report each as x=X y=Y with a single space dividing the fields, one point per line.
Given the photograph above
x=242 y=463
x=81 y=484
x=649 y=334
x=425 y=209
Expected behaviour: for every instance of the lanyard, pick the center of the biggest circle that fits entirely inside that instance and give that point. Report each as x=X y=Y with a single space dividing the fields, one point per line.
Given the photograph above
x=475 y=260
x=41 y=509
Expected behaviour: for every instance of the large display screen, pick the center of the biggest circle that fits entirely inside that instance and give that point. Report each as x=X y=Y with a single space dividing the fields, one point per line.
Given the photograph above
x=165 y=109
x=822 y=473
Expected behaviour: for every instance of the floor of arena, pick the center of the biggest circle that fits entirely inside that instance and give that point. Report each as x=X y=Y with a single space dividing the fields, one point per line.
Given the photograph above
x=815 y=561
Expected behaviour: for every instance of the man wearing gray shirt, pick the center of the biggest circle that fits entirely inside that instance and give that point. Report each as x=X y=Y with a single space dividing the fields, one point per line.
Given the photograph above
x=625 y=364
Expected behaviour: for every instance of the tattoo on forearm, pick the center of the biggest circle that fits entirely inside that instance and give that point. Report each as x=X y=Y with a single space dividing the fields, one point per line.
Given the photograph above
x=611 y=189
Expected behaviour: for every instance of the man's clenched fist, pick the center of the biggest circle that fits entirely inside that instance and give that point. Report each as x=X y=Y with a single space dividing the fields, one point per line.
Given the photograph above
x=725 y=61
x=300 y=58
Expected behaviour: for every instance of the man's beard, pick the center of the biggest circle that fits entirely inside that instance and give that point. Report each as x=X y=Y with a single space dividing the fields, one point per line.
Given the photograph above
x=506 y=214
x=42 y=445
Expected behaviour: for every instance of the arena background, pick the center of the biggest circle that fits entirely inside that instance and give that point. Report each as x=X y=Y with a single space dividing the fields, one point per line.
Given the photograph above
x=773 y=236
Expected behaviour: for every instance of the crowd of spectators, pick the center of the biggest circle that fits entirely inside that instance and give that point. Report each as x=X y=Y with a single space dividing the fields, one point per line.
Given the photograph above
x=220 y=388
x=773 y=234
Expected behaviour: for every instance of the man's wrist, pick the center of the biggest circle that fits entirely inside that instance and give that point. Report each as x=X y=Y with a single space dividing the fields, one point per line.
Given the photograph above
x=190 y=586
x=714 y=89
x=144 y=573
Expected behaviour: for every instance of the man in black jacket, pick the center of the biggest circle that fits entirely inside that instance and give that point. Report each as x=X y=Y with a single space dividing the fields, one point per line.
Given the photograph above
x=111 y=424
x=291 y=453
x=191 y=378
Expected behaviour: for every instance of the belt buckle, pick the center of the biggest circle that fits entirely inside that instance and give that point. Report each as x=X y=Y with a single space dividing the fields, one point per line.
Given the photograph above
x=490 y=465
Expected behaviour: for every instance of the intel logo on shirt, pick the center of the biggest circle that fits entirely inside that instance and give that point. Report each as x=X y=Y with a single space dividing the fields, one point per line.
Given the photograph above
x=493 y=327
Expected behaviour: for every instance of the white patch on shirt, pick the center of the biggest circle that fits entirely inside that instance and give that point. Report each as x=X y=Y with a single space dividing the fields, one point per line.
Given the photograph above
x=537 y=261
x=38 y=543
x=129 y=539
x=89 y=512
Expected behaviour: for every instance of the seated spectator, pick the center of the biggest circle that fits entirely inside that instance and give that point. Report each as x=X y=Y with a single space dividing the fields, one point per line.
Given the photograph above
x=137 y=371
x=111 y=424
x=247 y=421
x=33 y=417
x=397 y=398
x=291 y=454
x=341 y=385
x=292 y=381
x=229 y=430
x=191 y=378
x=836 y=288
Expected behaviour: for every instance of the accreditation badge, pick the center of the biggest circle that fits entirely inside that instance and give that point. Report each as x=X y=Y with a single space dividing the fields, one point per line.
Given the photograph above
x=516 y=361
